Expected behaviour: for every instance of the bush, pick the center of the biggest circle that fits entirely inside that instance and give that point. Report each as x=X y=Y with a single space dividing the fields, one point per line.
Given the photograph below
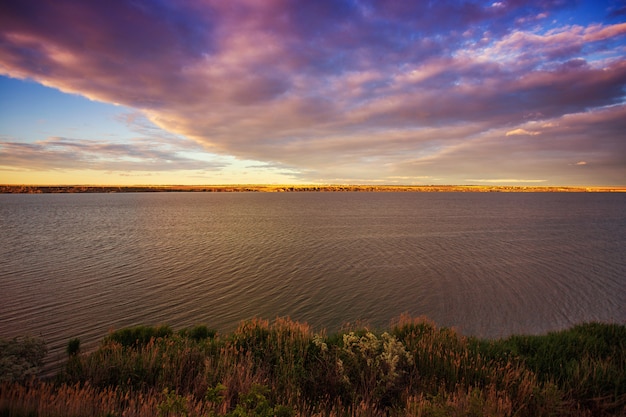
x=73 y=347
x=284 y=369
x=138 y=335
x=198 y=332
x=21 y=358
x=587 y=361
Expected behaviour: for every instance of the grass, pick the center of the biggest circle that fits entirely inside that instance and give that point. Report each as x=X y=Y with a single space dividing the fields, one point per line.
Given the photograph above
x=587 y=361
x=284 y=368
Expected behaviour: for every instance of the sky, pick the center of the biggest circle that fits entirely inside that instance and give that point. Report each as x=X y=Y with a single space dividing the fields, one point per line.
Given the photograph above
x=313 y=92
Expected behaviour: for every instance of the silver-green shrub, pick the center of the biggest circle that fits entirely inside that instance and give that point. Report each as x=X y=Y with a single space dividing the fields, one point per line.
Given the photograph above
x=373 y=365
x=21 y=358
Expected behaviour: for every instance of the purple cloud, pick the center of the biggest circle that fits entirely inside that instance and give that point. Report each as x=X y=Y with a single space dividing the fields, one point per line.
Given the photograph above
x=60 y=153
x=343 y=89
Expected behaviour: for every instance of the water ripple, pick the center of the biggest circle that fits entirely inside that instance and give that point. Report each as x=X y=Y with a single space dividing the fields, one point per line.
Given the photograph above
x=489 y=265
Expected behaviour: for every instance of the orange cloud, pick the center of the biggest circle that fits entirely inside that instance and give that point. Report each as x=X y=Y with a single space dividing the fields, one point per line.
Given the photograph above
x=522 y=132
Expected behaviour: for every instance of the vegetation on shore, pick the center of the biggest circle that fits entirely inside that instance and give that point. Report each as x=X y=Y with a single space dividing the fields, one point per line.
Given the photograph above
x=47 y=189
x=284 y=368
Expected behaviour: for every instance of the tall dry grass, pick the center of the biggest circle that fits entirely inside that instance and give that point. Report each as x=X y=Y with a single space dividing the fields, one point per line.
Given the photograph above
x=284 y=368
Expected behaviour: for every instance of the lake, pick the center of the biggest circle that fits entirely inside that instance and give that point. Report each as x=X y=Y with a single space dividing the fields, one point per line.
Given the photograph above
x=488 y=264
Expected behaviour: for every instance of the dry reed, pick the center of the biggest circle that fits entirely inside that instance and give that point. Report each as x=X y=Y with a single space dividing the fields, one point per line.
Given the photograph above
x=284 y=368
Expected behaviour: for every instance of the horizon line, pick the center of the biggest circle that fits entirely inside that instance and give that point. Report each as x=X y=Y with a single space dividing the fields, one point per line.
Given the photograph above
x=26 y=188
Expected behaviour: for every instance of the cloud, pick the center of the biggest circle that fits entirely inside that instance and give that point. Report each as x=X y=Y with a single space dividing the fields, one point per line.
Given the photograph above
x=566 y=140
x=524 y=132
x=506 y=180
x=334 y=89
x=58 y=153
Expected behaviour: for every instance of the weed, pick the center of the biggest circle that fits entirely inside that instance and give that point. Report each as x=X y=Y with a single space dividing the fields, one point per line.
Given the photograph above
x=285 y=369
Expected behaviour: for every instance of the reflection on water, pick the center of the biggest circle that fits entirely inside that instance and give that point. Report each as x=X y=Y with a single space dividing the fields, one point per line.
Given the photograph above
x=77 y=265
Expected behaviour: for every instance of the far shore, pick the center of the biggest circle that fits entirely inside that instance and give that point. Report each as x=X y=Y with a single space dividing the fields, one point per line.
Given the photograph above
x=47 y=189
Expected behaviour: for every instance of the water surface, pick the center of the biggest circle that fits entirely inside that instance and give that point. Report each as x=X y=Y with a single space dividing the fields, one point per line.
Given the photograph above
x=77 y=265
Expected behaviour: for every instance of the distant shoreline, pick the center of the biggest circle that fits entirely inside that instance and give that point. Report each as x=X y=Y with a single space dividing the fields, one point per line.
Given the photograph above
x=52 y=189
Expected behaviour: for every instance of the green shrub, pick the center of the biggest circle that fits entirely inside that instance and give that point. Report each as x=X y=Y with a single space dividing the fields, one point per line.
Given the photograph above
x=172 y=404
x=21 y=358
x=73 y=347
x=255 y=403
x=139 y=335
x=198 y=332
x=587 y=361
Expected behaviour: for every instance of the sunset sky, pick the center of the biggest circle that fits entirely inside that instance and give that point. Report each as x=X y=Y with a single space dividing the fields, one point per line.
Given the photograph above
x=343 y=92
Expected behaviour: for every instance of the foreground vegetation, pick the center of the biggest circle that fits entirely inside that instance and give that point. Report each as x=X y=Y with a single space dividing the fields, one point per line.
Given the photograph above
x=286 y=369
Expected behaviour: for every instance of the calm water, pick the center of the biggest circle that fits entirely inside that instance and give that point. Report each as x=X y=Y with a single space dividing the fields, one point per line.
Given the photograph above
x=77 y=265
